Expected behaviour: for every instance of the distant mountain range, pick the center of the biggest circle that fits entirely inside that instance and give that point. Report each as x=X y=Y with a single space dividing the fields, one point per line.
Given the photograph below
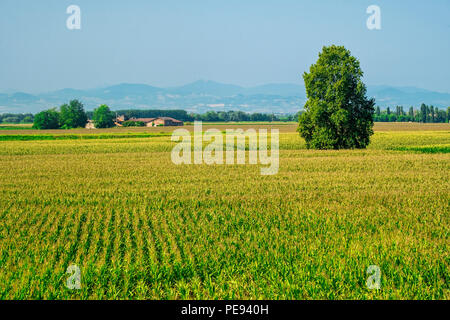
x=202 y=96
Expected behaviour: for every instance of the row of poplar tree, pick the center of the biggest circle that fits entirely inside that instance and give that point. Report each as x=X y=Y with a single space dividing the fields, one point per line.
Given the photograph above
x=424 y=114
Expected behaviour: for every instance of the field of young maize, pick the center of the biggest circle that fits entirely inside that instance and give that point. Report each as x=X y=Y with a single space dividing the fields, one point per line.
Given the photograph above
x=140 y=227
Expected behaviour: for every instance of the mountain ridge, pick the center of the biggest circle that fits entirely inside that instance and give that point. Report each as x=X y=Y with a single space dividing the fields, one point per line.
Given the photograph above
x=204 y=95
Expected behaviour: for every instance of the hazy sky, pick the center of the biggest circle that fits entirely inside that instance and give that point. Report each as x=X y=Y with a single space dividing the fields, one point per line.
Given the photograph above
x=245 y=42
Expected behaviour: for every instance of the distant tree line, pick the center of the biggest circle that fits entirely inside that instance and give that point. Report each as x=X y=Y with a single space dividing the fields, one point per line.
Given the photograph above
x=16 y=118
x=425 y=114
x=209 y=116
x=72 y=115
x=225 y=116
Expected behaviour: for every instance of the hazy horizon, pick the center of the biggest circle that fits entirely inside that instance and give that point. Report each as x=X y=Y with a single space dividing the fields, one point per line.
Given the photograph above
x=300 y=84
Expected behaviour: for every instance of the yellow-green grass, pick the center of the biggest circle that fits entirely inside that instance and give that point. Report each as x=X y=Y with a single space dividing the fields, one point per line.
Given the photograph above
x=139 y=226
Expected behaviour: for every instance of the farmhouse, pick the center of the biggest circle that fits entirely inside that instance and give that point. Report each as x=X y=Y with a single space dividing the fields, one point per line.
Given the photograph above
x=154 y=122
x=167 y=121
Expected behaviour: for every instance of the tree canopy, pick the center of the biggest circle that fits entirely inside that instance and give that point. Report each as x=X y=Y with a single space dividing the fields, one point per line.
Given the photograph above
x=103 y=117
x=48 y=119
x=338 y=114
x=72 y=115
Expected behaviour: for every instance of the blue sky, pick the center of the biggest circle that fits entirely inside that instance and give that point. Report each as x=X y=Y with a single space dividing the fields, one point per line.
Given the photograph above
x=244 y=42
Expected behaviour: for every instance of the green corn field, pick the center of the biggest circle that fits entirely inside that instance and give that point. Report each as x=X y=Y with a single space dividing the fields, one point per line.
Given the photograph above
x=140 y=227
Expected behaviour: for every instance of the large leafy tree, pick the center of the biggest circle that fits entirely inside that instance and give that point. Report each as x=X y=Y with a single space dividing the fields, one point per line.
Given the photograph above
x=337 y=113
x=48 y=119
x=103 y=117
x=72 y=115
